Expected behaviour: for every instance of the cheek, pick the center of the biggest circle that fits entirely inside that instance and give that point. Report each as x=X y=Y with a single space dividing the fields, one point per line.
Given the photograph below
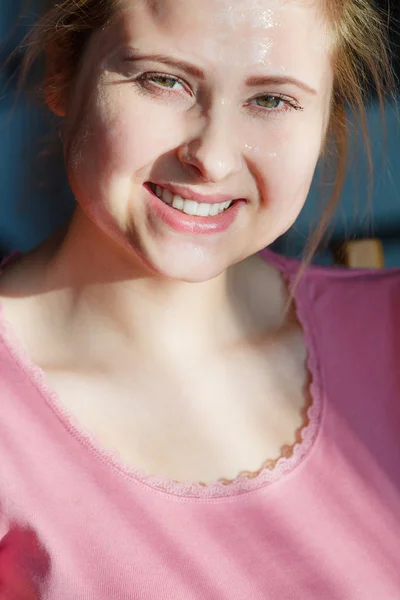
x=124 y=134
x=286 y=164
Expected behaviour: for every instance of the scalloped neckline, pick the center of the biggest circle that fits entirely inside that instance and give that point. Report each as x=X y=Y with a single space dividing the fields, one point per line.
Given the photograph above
x=246 y=481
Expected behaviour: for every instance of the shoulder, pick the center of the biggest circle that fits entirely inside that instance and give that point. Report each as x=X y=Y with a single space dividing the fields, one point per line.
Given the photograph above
x=332 y=275
x=343 y=299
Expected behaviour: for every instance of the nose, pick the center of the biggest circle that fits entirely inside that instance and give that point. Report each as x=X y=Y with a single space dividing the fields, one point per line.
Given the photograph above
x=212 y=154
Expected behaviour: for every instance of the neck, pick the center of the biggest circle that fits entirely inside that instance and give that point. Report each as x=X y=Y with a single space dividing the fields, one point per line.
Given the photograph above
x=102 y=288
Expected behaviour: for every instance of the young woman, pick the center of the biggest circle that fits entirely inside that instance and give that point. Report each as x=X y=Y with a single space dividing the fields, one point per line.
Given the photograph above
x=179 y=420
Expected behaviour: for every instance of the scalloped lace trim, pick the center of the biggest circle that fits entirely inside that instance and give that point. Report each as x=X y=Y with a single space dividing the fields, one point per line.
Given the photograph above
x=271 y=470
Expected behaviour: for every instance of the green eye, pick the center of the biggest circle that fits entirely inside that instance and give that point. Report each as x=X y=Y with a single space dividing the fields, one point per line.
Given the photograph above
x=166 y=82
x=269 y=101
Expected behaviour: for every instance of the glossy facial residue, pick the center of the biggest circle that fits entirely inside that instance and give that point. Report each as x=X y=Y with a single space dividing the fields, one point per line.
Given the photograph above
x=219 y=97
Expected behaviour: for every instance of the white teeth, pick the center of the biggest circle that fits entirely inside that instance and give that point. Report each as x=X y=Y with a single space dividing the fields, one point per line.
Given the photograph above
x=190 y=207
x=215 y=209
x=203 y=210
x=167 y=196
x=177 y=202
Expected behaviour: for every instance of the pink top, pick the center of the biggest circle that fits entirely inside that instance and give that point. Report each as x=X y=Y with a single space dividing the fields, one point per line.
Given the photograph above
x=77 y=524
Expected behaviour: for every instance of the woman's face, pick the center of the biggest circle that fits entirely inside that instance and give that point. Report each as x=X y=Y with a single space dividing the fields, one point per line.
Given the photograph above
x=213 y=102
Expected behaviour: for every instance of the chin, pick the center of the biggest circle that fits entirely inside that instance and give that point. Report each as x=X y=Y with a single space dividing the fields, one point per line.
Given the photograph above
x=191 y=266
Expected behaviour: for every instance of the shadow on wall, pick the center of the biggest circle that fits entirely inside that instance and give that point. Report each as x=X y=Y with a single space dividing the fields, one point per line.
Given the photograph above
x=34 y=198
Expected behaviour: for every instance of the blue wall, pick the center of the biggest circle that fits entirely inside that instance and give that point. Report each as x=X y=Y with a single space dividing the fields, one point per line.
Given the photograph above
x=361 y=213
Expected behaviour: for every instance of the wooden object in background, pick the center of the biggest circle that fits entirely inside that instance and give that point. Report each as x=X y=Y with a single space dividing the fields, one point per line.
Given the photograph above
x=364 y=254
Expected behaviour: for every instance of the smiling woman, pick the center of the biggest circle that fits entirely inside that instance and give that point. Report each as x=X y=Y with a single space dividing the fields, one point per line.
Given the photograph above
x=211 y=442
x=337 y=36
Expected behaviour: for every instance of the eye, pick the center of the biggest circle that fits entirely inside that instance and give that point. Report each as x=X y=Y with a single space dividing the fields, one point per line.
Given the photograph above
x=269 y=101
x=164 y=81
x=275 y=103
x=161 y=83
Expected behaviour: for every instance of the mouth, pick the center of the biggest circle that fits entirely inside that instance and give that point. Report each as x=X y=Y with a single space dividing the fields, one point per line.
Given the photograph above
x=187 y=205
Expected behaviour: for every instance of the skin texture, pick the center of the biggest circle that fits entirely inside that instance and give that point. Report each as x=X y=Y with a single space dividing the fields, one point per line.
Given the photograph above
x=206 y=135
x=175 y=349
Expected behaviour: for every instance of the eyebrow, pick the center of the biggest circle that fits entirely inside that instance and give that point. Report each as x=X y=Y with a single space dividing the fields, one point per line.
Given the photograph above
x=167 y=60
x=198 y=73
x=258 y=81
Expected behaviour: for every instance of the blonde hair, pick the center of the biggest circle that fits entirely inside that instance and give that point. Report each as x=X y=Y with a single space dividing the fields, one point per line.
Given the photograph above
x=360 y=58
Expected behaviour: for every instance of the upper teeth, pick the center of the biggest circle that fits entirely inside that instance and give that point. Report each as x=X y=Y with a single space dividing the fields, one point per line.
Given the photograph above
x=190 y=207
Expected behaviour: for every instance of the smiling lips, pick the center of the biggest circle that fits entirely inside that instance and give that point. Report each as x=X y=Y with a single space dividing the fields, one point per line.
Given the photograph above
x=205 y=207
x=186 y=211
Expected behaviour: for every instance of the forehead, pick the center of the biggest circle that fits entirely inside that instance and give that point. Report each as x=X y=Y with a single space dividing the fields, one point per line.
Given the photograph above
x=282 y=33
